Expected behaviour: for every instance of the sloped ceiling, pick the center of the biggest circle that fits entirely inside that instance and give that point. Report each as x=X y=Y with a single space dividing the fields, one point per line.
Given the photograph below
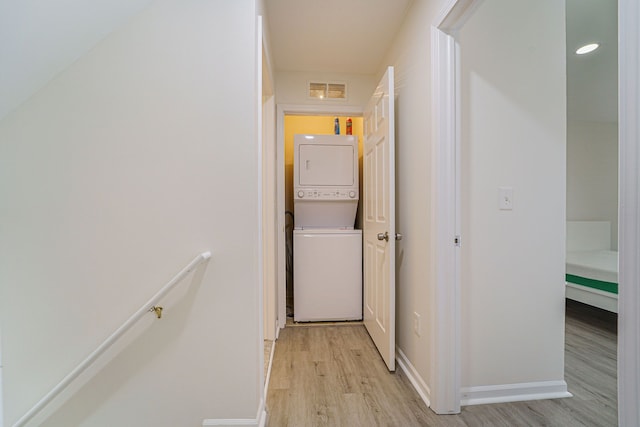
x=38 y=39
x=343 y=36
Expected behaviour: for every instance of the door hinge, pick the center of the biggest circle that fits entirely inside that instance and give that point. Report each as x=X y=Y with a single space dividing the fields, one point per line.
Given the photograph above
x=456 y=240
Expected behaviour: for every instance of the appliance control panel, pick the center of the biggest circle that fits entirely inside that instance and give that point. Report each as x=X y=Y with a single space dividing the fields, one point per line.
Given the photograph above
x=326 y=194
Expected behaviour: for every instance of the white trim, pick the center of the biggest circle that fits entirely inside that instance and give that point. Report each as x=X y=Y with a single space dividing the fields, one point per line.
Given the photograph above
x=260 y=208
x=281 y=258
x=268 y=375
x=232 y=422
x=503 y=393
x=270 y=300
x=629 y=216
x=445 y=366
x=317 y=110
x=454 y=14
x=262 y=418
x=414 y=377
x=1 y=395
x=266 y=130
x=259 y=421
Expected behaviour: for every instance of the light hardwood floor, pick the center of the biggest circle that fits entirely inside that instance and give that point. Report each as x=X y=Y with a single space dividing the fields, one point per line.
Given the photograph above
x=333 y=376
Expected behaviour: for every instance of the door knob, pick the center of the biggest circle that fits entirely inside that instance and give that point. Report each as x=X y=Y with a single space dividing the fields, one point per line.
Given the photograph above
x=398 y=236
x=384 y=236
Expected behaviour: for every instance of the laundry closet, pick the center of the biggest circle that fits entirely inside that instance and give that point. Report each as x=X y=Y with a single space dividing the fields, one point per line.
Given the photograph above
x=324 y=239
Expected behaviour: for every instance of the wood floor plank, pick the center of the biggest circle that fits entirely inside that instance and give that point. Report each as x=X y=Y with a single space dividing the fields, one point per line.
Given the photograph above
x=333 y=376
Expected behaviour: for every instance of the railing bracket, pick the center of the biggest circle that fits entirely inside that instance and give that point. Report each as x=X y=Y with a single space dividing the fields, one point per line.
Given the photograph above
x=157 y=310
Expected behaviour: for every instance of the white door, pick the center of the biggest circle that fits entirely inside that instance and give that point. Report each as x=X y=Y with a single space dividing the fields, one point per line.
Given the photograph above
x=379 y=220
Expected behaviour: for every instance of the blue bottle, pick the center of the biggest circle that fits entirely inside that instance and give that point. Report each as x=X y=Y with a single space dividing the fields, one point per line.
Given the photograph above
x=336 y=126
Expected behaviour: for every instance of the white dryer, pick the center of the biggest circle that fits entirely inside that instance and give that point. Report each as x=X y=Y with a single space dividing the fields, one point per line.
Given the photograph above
x=325 y=181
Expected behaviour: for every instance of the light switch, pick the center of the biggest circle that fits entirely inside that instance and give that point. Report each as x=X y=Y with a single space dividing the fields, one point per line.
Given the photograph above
x=505 y=195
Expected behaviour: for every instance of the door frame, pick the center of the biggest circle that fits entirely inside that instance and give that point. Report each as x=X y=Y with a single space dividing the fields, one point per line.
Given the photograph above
x=281 y=111
x=265 y=123
x=628 y=214
x=268 y=208
x=445 y=164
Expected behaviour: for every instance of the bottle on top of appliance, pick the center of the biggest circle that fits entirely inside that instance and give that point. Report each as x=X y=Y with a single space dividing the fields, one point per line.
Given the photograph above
x=336 y=126
x=349 y=126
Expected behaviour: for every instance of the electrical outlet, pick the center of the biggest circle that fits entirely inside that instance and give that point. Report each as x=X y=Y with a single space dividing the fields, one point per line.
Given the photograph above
x=416 y=324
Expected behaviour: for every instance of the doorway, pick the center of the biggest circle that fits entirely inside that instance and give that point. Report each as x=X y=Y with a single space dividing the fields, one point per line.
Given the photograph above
x=320 y=124
x=592 y=151
x=592 y=177
x=319 y=119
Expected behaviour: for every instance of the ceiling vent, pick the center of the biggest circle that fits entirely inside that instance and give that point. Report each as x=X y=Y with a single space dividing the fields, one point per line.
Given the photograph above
x=327 y=91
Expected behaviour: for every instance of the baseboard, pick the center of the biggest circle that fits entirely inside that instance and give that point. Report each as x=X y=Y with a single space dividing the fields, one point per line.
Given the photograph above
x=262 y=418
x=268 y=375
x=412 y=374
x=514 y=392
x=259 y=421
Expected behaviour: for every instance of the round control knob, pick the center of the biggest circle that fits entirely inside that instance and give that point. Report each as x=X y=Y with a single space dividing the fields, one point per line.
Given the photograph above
x=352 y=194
x=301 y=194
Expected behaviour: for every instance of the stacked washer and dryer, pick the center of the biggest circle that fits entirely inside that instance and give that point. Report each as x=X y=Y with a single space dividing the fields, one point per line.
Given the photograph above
x=327 y=250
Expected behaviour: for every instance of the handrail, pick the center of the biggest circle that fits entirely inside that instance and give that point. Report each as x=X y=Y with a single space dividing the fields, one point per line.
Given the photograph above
x=147 y=307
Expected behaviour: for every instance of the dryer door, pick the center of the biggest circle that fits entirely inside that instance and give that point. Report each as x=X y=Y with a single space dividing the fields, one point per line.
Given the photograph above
x=326 y=165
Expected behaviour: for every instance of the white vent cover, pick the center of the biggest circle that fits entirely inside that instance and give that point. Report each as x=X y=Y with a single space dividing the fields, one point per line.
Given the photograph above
x=324 y=90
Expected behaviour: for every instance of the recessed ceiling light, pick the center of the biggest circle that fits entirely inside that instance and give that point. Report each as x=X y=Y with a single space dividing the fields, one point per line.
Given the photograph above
x=587 y=48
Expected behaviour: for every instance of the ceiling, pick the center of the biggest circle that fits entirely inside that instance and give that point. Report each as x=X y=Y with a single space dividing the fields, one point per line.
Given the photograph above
x=341 y=36
x=592 y=79
x=352 y=36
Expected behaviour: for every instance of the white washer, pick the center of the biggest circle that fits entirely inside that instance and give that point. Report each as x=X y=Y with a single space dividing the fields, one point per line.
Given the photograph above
x=327 y=270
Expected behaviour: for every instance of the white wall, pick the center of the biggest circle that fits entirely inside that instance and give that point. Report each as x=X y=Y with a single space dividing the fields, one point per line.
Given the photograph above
x=40 y=39
x=592 y=173
x=514 y=127
x=291 y=87
x=115 y=175
x=410 y=55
